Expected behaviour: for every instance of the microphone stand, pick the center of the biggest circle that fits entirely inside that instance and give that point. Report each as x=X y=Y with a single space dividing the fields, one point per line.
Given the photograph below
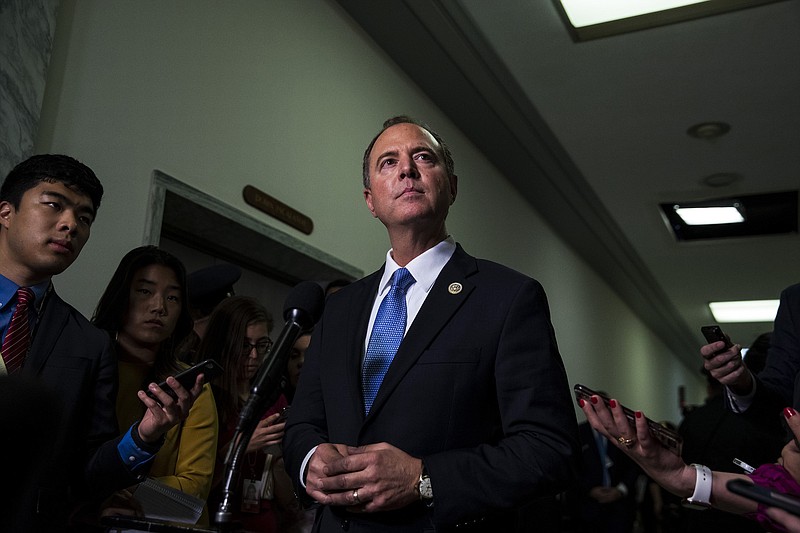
x=263 y=394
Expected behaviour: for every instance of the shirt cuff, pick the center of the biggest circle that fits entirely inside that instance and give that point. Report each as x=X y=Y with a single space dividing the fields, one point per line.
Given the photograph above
x=304 y=465
x=740 y=404
x=135 y=453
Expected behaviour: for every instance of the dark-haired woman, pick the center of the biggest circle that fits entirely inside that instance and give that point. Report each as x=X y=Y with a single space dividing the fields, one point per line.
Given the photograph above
x=144 y=310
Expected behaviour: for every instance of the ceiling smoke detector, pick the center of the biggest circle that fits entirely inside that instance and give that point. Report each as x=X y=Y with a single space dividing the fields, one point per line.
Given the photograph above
x=709 y=130
x=720 y=179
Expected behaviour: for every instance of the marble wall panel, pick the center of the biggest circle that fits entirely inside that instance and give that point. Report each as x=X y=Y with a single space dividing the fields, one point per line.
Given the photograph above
x=26 y=39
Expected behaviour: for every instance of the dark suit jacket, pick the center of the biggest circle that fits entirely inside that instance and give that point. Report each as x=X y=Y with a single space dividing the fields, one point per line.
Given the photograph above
x=778 y=385
x=72 y=360
x=477 y=389
x=779 y=379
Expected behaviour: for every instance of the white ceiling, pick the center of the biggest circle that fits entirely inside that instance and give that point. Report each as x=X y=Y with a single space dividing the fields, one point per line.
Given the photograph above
x=593 y=134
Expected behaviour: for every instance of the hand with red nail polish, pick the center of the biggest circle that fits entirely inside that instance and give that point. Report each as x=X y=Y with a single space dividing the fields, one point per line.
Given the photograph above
x=790 y=455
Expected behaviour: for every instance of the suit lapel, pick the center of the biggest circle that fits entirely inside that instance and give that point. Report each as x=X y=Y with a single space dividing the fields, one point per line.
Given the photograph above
x=450 y=290
x=48 y=328
x=356 y=326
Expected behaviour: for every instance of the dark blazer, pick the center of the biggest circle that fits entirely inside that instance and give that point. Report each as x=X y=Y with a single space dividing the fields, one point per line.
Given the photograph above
x=779 y=379
x=477 y=389
x=778 y=385
x=72 y=360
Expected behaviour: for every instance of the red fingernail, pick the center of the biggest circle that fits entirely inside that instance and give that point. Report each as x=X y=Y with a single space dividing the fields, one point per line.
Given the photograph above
x=638 y=414
x=788 y=412
x=612 y=403
x=581 y=402
x=594 y=399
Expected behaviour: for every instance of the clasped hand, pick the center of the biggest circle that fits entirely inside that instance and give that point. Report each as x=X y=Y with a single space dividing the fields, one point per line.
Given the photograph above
x=371 y=478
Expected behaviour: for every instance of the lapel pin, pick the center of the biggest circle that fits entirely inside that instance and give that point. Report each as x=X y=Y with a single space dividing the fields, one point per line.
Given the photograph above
x=454 y=288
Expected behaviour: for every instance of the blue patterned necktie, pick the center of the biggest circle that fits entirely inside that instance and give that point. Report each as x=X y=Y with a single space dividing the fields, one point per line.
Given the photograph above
x=387 y=332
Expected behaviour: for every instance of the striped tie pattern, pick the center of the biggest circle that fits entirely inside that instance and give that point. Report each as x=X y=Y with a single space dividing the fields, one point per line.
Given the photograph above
x=387 y=332
x=18 y=336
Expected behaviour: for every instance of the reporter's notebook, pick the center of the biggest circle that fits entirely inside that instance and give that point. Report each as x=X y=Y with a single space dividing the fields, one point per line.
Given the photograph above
x=166 y=503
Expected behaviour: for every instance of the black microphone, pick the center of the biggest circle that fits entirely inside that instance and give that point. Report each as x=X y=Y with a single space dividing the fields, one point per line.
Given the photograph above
x=302 y=309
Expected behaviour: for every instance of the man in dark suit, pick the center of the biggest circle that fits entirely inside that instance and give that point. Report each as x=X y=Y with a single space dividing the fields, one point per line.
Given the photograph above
x=762 y=396
x=473 y=418
x=47 y=206
x=606 y=497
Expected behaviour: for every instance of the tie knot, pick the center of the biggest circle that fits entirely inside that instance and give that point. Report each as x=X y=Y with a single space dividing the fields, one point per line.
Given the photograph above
x=402 y=278
x=24 y=296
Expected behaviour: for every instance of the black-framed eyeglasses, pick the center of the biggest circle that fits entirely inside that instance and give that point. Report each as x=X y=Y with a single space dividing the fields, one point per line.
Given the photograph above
x=262 y=347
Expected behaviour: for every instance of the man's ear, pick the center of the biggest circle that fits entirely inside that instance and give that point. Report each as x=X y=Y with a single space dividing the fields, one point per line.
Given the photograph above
x=453 y=188
x=6 y=213
x=368 y=199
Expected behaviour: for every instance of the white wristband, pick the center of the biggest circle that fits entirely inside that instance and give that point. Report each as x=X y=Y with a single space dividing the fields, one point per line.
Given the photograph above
x=701 y=498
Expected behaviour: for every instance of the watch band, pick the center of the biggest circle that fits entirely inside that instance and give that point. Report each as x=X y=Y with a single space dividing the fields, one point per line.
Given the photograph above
x=701 y=498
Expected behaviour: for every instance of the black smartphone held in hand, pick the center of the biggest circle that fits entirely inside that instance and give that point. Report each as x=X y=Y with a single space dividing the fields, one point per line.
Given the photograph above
x=767 y=496
x=284 y=414
x=667 y=437
x=209 y=368
x=714 y=333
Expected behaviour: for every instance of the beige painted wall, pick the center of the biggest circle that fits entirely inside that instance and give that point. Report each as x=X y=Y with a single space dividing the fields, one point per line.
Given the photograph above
x=285 y=95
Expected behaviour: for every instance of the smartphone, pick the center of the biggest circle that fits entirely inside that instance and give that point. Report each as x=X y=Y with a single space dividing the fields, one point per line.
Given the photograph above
x=284 y=415
x=765 y=495
x=209 y=368
x=714 y=334
x=668 y=438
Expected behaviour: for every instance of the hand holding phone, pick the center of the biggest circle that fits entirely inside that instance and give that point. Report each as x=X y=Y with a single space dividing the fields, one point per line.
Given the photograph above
x=209 y=368
x=668 y=438
x=284 y=414
x=714 y=334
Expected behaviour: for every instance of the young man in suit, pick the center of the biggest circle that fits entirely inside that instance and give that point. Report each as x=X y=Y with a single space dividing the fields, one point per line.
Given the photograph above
x=474 y=417
x=47 y=206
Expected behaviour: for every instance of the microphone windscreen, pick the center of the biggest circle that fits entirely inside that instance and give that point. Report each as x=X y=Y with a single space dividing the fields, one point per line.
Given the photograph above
x=307 y=296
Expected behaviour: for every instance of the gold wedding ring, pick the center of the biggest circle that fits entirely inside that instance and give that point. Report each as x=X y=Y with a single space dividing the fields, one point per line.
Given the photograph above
x=625 y=441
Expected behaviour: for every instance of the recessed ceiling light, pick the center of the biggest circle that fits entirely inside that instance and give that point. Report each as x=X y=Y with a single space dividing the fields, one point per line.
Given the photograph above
x=591 y=19
x=587 y=12
x=700 y=216
x=745 y=311
x=709 y=130
x=764 y=214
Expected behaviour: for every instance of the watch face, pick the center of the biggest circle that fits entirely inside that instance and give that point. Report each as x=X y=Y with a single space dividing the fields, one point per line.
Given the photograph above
x=425 y=489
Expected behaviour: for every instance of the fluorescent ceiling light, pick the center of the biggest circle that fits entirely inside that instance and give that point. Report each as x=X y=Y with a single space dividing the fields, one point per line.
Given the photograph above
x=588 y=12
x=702 y=216
x=592 y=19
x=745 y=311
